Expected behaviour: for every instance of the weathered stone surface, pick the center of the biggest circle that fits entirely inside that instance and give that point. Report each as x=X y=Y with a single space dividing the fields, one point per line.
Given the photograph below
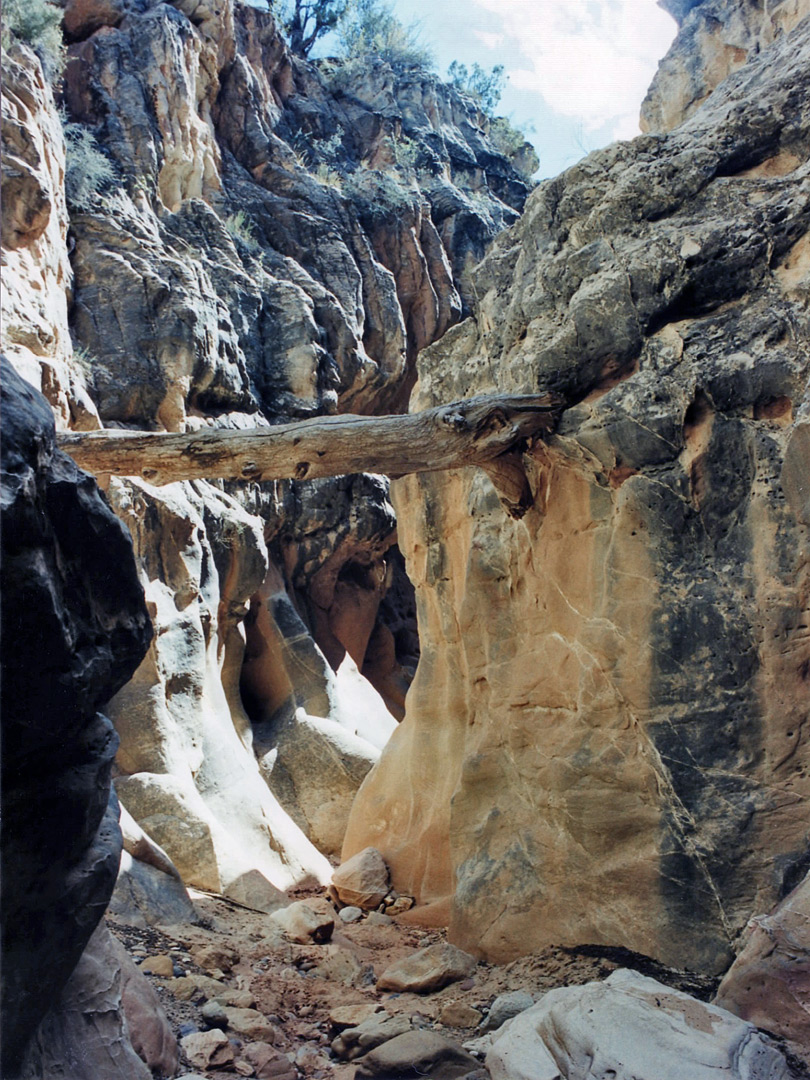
x=74 y=627
x=505 y=1006
x=769 y=982
x=269 y=1064
x=622 y=673
x=36 y=269
x=428 y=969
x=460 y=1015
x=353 y=1042
x=208 y=1049
x=84 y=1035
x=148 y=1027
x=192 y=781
x=249 y=1023
x=362 y=881
x=304 y=922
x=630 y=1026
x=416 y=1053
x=716 y=38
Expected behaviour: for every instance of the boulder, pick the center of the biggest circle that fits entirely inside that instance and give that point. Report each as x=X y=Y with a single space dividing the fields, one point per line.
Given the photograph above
x=414 y=1054
x=376 y=1029
x=504 y=1007
x=362 y=880
x=628 y=1027
x=208 y=1049
x=303 y=922
x=428 y=969
x=149 y=1029
x=769 y=982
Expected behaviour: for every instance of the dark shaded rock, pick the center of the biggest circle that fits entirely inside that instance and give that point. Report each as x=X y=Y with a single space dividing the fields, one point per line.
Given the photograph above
x=416 y=1053
x=74 y=627
x=84 y=1035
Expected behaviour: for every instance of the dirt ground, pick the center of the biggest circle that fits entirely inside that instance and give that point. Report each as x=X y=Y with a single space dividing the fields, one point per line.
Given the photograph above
x=296 y=987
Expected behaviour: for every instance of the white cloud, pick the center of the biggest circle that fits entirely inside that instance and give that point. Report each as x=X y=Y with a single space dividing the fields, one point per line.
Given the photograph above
x=489 y=39
x=589 y=59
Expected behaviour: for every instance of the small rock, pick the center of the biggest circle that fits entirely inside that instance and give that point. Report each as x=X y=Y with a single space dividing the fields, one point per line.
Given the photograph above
x=351 y=914
x=207 y=1049
x=186 y=988
x=428 y=969
x=244 y=1068
x=400 y=905
x=187 y=1029
x=214 y=1015
x=310 y=1057
x=347 y=1016
x=377 y=918
x=213 y=958
x=377 y=1029
x=458 y=1014
x=504 y=1007
x=268 y=1063
x=250 y=1023
x=362 y=881
x=341 y=965
x=416 y=1053
x=239 y=999
x=158 y=965
x=301 y=922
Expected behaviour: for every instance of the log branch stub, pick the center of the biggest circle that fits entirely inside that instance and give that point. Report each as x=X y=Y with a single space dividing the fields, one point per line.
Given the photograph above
x=451 y=436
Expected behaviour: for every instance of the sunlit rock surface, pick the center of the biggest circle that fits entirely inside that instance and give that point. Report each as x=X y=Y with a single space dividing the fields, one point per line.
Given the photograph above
x=605 y=739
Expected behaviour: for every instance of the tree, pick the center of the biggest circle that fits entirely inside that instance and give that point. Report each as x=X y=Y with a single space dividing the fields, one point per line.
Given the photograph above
x=485 y=87
x=370 y=28
x=307 y=20
x=487 y=431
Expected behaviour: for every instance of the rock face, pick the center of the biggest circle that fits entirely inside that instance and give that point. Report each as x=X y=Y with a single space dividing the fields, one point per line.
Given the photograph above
x=613 y=690
x=716 y=38
x=36 y=269
x=74 y=628
x=626 y=1027
x=280 y=239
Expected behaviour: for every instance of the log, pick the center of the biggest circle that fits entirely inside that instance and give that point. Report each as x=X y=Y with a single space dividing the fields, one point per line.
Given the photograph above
x=469 y=432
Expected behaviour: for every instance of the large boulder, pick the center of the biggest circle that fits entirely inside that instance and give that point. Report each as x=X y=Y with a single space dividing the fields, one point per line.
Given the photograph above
x=612 y=690
x=769 y=982
x=630 y=1027
x=74 y=628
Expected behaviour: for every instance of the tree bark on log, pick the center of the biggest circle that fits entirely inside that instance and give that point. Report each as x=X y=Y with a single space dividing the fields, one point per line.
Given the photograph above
x=471 y=432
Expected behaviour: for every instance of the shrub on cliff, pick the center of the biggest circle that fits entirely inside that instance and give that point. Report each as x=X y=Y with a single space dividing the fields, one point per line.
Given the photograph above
x=36 y=23
x=88 y=173
x=370 y=28
x=484 y=87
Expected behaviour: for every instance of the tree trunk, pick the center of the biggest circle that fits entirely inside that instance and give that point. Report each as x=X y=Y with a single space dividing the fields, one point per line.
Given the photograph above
x=475 y=431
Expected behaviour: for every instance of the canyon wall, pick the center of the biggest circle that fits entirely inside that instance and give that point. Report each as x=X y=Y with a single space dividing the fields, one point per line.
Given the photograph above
x=605 y=741
x=227 y=235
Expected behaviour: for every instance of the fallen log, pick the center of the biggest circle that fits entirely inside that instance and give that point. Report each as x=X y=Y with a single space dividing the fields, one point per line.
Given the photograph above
x=471 y=432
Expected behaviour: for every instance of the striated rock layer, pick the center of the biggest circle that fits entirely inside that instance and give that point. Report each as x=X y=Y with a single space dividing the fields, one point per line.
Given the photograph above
x=605 y=740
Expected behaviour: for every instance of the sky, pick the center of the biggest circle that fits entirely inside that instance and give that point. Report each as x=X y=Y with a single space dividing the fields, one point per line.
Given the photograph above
x=578 y=69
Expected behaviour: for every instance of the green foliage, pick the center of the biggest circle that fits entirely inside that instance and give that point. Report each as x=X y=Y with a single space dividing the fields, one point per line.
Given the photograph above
x=305 y=21
x=407 y=153
x=377 y=196
x=511 y=142
x=241 y=228
x=88 y=173
x=485 y=87
x=37 y=23
x=369 y=28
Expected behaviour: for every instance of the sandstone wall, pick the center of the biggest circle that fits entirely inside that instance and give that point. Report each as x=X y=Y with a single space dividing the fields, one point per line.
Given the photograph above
x=605 y=738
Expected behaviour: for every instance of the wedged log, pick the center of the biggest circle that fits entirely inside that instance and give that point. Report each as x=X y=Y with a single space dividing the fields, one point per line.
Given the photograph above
x=467 y=432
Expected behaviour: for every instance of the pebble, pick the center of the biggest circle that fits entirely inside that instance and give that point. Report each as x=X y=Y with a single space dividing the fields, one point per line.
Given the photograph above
x=351 y=914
